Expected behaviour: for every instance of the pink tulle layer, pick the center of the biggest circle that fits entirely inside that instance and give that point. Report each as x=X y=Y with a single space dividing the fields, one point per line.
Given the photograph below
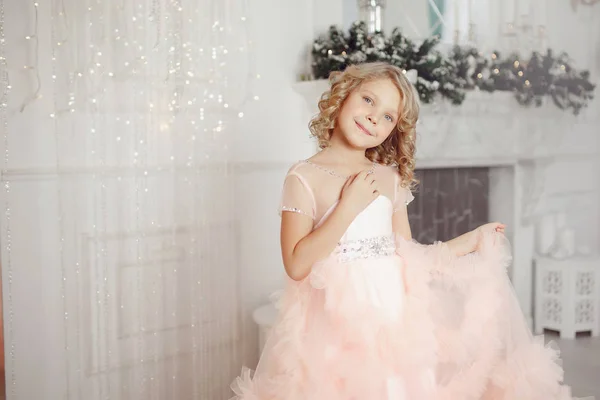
x=421 y=324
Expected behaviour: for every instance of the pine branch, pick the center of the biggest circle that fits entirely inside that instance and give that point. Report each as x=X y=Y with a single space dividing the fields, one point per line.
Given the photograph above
x=464 y=68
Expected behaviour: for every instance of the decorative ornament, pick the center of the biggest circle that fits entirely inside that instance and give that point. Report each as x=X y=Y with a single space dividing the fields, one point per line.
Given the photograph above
x=576 y=3
x=412 y=76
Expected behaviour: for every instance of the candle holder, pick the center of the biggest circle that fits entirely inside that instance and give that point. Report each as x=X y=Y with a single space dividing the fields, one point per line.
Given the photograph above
x=371 y=12
x=471 y=34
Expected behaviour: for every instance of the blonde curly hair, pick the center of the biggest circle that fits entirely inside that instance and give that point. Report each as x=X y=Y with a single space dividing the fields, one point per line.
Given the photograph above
x=399 y=148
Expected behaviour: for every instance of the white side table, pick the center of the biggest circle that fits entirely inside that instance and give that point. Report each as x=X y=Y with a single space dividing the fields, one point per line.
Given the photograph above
x=264 y=316
x=567 y=295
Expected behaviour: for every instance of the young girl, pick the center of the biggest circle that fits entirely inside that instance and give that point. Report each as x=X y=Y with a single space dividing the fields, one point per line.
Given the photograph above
x=368 y=313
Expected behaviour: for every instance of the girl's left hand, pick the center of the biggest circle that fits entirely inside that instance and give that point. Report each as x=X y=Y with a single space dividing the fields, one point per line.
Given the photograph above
x=492 y=226
x=489 y=227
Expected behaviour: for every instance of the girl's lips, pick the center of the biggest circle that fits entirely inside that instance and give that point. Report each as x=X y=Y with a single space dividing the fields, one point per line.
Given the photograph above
x=362 y=128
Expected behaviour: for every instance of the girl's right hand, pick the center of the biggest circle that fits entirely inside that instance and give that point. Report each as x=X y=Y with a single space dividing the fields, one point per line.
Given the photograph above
x=359 y=191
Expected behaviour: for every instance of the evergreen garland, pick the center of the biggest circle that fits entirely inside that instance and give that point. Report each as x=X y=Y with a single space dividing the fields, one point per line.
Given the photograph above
x=464 y=68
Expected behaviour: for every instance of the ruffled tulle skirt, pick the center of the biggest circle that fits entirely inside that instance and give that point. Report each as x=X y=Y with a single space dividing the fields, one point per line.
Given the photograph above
x=420 y=324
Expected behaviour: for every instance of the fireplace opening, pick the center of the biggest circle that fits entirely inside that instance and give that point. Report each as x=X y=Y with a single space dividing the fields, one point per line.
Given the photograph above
x=449 y=202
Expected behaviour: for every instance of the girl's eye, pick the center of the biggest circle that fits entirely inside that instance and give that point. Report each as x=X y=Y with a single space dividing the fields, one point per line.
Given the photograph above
x=368 y=100
x=389 y=118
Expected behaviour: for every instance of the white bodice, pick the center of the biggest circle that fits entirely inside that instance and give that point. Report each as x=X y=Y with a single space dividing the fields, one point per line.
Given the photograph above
x=373 y=221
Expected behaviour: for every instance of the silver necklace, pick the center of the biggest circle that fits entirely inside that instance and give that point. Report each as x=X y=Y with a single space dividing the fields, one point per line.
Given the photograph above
x=332 y=172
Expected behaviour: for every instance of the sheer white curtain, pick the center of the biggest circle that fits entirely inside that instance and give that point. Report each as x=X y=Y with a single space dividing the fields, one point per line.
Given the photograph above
x=119 y=240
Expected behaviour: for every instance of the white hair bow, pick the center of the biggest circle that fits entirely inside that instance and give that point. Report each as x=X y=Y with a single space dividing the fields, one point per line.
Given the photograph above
x=411 y=75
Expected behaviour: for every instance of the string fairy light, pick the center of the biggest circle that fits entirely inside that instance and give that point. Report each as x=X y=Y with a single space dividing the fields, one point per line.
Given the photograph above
x=35 y=67
x=137 y=130
x=60 y=206
x=196 y=240
x=8 y=267
x=98 y=155
x=179 y=56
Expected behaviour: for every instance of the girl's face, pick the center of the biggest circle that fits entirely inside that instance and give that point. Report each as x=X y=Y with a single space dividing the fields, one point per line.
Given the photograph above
x=369 y=114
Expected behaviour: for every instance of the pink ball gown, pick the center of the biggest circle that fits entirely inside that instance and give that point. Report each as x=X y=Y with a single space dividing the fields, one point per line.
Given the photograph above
x=389 y=319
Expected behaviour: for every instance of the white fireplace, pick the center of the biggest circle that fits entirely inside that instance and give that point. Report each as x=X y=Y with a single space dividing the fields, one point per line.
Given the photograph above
x=541 y=160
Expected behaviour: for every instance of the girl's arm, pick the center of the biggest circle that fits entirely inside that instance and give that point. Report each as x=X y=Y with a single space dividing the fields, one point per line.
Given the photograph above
x=301 y=248
x=459 y=246
x=469 y=242
x=463 y=244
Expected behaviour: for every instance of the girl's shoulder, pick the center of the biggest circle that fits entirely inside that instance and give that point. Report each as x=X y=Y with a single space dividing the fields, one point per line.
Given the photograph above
x=390 y=169
x=389 y=172
x=300 y=168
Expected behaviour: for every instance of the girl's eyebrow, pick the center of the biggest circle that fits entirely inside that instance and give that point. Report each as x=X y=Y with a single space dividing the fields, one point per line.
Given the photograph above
x=371 y=93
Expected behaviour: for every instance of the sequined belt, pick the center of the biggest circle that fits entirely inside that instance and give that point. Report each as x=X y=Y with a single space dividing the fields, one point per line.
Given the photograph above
x=373 y=247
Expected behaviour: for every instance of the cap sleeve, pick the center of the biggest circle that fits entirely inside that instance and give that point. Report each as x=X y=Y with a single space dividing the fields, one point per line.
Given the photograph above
x=297 y=196
x=402 y=196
